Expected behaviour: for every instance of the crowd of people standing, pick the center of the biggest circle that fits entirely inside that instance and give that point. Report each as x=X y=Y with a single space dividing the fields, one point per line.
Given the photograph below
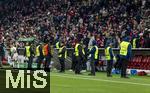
x=53 y=20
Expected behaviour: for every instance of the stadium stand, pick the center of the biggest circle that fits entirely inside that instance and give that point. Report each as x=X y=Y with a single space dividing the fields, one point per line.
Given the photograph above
x=53 y=20
x=140 y=62
x=59 y=18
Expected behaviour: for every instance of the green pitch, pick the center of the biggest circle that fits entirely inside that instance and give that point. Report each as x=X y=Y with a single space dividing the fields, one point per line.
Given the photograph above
x=70 y=83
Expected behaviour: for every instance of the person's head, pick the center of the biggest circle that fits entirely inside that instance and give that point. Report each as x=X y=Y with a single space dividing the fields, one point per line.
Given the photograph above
x=78 y=40
x=62 y=43
x=111 y=44
x=40 y=44
x=27 y=44
x=127 y=39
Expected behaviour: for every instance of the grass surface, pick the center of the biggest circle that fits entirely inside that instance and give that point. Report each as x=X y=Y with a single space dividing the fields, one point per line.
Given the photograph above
x=70 y=83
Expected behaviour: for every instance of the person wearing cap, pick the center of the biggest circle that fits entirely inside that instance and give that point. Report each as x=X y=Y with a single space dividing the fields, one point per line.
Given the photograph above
x=109 y=55
x=125 y=55
x=93 y=57
x=62 y=54
x=39 y=55
x=78 y=56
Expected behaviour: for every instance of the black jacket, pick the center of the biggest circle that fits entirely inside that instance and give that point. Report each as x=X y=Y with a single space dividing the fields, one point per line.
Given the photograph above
x=2 y=52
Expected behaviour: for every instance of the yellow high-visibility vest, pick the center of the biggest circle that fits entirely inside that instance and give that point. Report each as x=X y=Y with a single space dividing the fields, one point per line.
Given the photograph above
x=96 y=52
x=134 y=43
x=76 y=50
x=57 y=45
x=37 y=51
x=124 y=48
x=60 y=50
x=28 y=54
x=107 y=54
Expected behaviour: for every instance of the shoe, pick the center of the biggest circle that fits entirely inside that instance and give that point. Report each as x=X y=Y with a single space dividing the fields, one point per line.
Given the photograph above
x=70 y=70
x=91 y=74
x=61 y=71
x=78 y=73
x=83 y=71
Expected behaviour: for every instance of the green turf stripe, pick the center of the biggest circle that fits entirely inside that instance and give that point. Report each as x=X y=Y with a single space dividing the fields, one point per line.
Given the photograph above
x=95 y=79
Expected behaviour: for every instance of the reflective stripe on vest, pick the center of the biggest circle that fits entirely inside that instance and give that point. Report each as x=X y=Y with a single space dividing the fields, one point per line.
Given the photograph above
x=134 y=43
x=107 y=54
x=124 y=48
x=60 y=50
x=37 y=51
x=83 y=51
x=76 y=50
x=96 y=52
x=28 y=51
x=57 y=45
x=90 y=50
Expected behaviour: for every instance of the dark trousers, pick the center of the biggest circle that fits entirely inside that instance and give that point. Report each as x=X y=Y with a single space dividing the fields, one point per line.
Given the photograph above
x=109 y=67
x=39 y=62
x=124 y=64
x=62 y=64
x=47 y=63
x=84 y=64
x=73 y=63
x=30 y=61
x=78 y=65
x=93 y=66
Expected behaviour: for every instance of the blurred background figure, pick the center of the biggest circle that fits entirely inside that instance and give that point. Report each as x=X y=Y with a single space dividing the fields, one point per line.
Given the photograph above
x=2 y=53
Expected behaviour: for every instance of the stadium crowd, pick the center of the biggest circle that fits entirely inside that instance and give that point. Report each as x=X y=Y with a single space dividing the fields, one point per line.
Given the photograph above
x=54 y=20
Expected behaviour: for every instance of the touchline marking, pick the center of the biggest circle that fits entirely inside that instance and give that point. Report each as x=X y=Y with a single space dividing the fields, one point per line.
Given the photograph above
x=80 y=77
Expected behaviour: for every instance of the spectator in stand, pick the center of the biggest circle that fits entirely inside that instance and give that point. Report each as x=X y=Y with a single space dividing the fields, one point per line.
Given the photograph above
x=2 y=53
